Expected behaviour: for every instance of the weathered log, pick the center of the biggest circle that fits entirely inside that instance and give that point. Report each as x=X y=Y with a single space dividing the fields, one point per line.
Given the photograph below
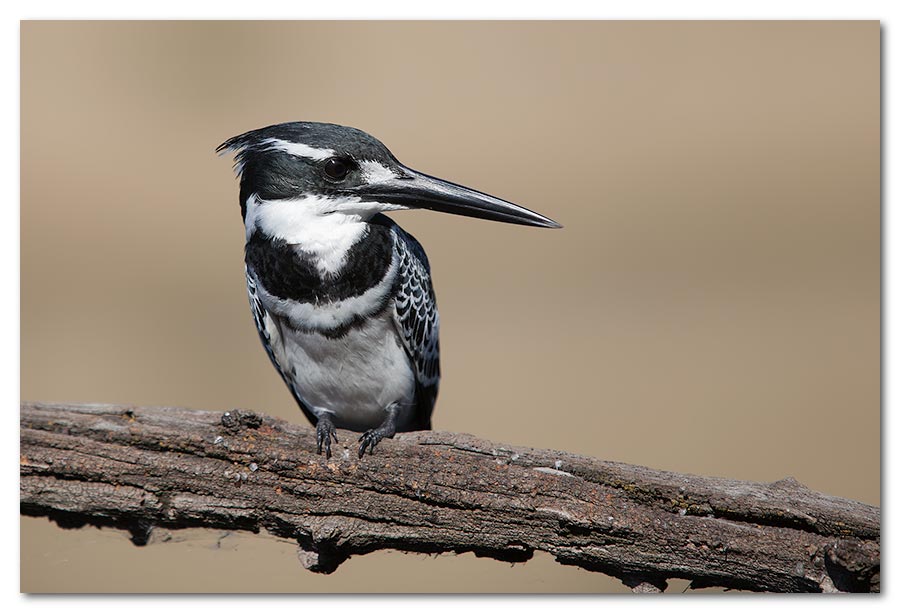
x=137 y=468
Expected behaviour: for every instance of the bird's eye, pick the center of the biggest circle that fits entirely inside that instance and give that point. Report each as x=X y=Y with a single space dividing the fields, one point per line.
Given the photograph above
x=335 y=169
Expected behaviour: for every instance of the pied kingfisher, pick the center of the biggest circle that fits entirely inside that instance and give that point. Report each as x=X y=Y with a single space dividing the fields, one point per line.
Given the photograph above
x=341 y=295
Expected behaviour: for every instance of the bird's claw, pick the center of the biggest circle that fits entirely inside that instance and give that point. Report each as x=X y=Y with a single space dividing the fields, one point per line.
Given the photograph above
x=325 y=432
x=369 y=440
x=386 y=430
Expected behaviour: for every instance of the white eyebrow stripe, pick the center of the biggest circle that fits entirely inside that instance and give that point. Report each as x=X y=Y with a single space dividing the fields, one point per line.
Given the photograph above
x=298 y=149
x=373 y=172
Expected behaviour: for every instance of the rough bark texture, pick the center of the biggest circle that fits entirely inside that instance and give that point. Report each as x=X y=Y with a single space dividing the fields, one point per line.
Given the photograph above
x=137 y=468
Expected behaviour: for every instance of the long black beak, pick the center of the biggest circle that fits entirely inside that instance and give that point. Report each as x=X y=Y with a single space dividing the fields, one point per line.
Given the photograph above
x=416 y=190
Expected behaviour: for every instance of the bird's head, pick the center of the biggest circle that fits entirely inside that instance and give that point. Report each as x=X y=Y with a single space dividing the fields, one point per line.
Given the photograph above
x=325 y=169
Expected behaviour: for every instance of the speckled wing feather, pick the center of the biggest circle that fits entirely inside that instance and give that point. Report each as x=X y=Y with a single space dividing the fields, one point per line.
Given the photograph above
x=417 y=320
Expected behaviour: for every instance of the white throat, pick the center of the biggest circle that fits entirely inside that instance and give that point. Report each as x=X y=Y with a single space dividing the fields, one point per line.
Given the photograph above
x=319 y=227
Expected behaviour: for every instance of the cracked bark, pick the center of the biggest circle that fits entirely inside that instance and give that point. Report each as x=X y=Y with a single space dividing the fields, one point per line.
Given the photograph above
x=138 y=468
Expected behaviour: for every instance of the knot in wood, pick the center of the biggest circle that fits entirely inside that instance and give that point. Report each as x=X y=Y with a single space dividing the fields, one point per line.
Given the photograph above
x=233 y=421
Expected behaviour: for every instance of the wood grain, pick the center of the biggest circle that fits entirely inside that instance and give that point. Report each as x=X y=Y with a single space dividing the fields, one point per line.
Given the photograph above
x=137 y=468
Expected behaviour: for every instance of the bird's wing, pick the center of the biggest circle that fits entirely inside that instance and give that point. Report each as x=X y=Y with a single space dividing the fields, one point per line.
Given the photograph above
x=270 y=335
x=417 y=320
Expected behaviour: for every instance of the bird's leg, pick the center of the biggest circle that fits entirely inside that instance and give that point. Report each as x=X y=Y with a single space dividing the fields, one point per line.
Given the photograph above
x=387 y=429
x=325 y=431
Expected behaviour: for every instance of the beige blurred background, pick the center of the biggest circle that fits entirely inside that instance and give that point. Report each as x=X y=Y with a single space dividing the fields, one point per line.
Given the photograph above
x=712 y=305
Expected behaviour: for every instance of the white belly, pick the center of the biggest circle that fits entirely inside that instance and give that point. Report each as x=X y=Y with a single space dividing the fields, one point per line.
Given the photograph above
x=354 y=377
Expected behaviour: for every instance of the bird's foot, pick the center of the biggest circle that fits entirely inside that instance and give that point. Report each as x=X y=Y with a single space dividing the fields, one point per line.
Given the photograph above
x=372 y=438
x=386 y=430
x=325 y=432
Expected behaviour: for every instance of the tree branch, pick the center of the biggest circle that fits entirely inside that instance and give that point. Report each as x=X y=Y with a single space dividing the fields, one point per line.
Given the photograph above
x=137 y=468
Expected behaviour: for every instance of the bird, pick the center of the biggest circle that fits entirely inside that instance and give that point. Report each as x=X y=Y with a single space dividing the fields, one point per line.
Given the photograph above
x=341 y=295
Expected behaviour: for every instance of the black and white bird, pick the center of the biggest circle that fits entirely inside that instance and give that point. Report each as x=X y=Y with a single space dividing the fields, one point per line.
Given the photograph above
x=342 y=295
